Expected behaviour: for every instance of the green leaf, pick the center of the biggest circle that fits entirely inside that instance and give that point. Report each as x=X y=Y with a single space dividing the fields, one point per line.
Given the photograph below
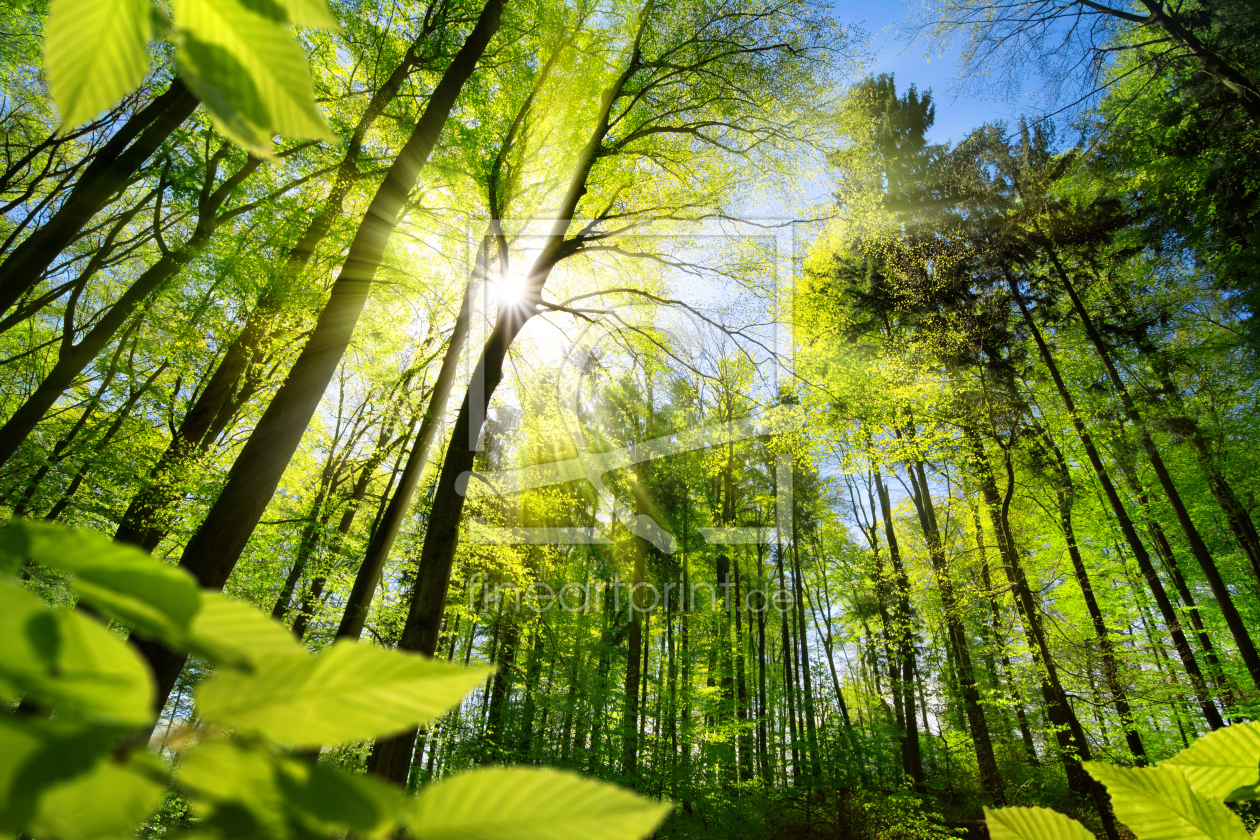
x=95 y=53
x=35 y=754
x=248 y=790
x=70 y=662
x=1224 y=764
x=312 y=14
x=328 y=797
x=237 y=634
x=1033 y=824
x=234 y=787
x=122 y=582
x=249 y=72
x=109 y=801
x=348 y=692
x=1158 y=803
x=531 y=804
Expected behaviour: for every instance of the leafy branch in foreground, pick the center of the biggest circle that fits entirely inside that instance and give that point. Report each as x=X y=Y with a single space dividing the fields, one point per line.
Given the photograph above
x=1184 y=797
x=74 y=763
x=238 y=56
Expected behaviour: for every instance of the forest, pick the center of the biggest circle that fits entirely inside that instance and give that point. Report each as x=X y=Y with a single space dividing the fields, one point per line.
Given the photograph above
x=627 y=418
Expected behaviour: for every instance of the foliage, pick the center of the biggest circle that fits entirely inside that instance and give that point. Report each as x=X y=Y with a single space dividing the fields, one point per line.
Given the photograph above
x=237 y=55
x=75 y=763
x=1182 y=797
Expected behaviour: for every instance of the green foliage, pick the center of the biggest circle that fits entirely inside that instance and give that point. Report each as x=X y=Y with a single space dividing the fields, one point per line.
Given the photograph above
x=1181 y=798
x=535 y=804
x=84 y=773
x=96 y=53
x=347 y=692
x=238 y=56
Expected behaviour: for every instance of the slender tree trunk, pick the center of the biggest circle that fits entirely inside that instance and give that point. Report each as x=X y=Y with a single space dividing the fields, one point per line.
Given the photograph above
x=231 y=385
x=811 y=720
x=213 y=551
x=1224 y=598
x=990 y=778
x=110 y=171
x=1111 y=667
x=911 y=751
x=1073 y=746
x=1140 y=554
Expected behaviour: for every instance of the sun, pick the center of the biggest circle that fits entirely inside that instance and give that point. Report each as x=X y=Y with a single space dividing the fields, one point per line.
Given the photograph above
x=512 y=288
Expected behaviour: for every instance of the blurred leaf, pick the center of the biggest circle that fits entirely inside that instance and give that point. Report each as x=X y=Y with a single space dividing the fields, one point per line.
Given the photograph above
x=235 y=787
x=70 y=662
x=95 y=52
x=109 y=801
x=247 y=790
x=35 y=754
x=348 y=692
x=531 y=804
x=1157 y=803
x=249 y=72
x=1033 y=824
x=362 y=804
x=312 y=14
x=237 y=634
x=120 y=581
x=1224 y=764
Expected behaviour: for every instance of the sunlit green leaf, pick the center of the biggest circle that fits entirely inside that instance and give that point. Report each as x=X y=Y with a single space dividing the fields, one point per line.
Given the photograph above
x=348 y=692
x=1157 y=803
x=1224 y=764
x=122 y=582
x=109 y=801
x=95 y=52
x=36 y=754
x=502 y=803
x=313 y=14
x=1033 y=824
x=249 y=71
x=237 y=634
x=70 y=662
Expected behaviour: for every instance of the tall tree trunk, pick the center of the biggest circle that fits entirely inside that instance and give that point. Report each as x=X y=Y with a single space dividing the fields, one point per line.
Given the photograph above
x=442 y=535
x=1111 y=667
x=1073 y=746
x=811 y=719
x=634 y=648
x=111 y=169
x=911 y=751
x=1224 y=598
x=231 y=385
x=213 y=551
x=1140 y=554
x=990 y=778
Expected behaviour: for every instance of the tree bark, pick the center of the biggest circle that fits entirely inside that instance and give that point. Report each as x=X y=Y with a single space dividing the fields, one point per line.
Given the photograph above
x=1140 y=554
x=110 y=171
x=214 y=549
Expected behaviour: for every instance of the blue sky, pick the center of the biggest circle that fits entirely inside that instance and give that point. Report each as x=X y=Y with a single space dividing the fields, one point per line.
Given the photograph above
x=955 y=117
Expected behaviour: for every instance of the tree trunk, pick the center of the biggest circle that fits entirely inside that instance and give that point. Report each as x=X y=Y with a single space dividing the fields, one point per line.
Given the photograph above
x=1225 y=600
x=990 y=778
x=1111 y=667
x=110 y=171
x=1140 y=554
x=213 y=551
x=911 y=752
